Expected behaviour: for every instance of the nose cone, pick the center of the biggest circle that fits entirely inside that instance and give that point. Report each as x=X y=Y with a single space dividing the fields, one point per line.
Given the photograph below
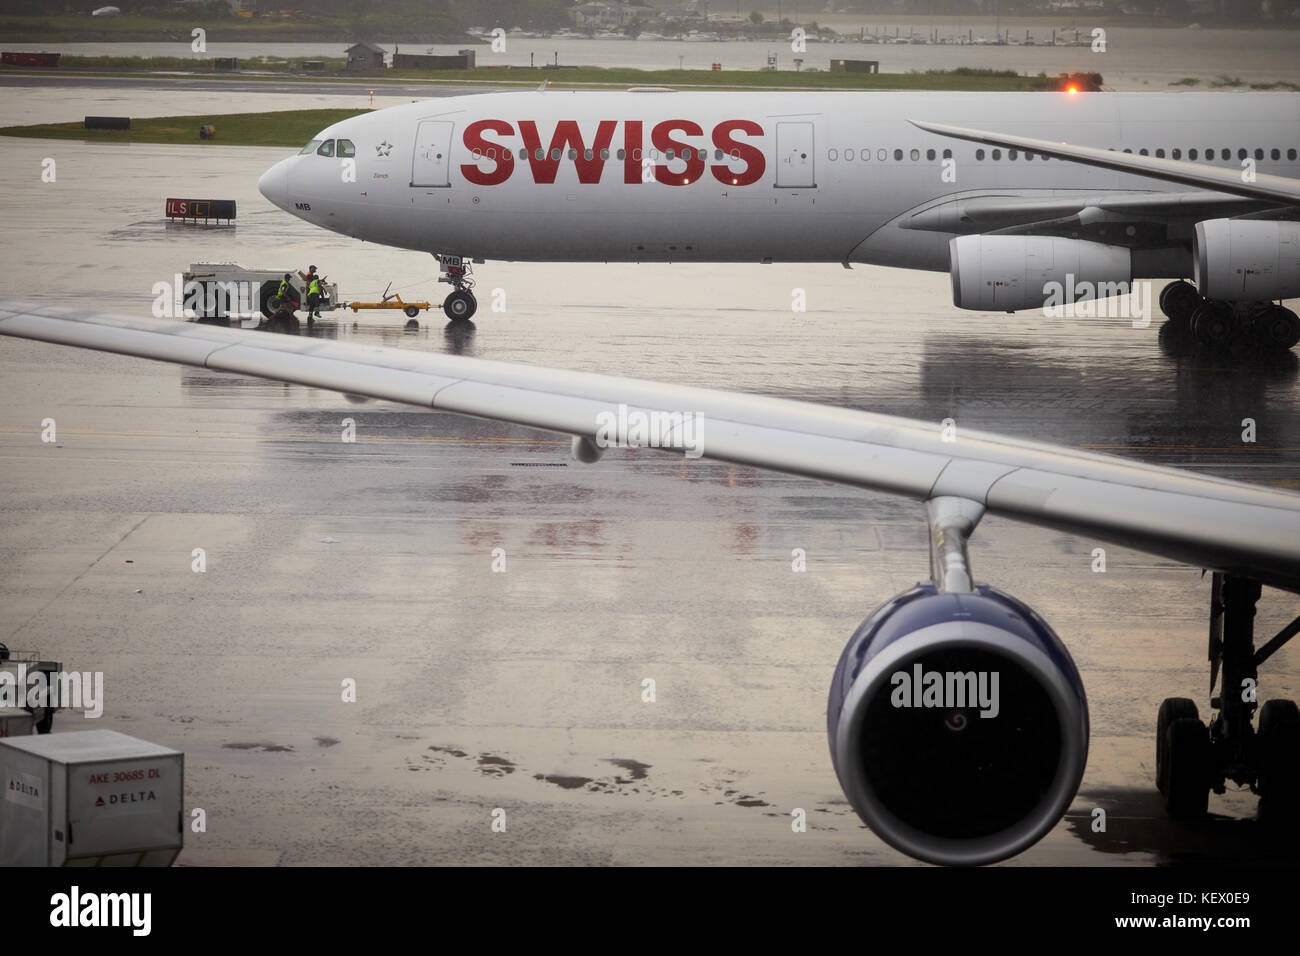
x=274 y=184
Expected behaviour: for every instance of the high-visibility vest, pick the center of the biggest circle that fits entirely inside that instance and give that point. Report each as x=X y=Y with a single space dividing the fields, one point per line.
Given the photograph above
x=314 y=286
x=284 y=288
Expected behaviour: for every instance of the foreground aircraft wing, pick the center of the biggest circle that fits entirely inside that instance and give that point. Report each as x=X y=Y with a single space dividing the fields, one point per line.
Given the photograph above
x=1206 y=522
x=1279 y=190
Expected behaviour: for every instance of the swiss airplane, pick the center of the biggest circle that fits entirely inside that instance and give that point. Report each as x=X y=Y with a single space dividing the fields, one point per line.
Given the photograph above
x=957 y=722
x=659 y=175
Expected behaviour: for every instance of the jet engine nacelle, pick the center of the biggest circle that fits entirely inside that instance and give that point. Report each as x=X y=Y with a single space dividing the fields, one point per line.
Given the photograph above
x=958 y=725
x=1009 y=273
x=1247 y=259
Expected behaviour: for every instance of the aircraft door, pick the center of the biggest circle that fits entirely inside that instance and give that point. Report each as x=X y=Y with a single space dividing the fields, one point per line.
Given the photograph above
x=431 y=164
x=795 y=156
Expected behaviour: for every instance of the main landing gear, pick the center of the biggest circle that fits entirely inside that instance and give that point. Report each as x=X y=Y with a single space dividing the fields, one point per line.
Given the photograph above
x=460 y=304
x=1193 y=758
x=1216 y=323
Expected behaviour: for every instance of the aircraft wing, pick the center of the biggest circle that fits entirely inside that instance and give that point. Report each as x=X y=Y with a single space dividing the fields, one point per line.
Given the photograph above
x=1098 y=216
x=1206 y=522
x=1278 y=190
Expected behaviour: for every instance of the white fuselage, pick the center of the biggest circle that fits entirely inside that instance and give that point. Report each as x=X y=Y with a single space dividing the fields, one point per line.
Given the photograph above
x=785 y=176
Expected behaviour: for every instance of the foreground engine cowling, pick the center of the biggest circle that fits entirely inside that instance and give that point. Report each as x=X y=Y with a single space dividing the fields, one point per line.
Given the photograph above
x=1247 y=259
x=966 y=767
x=1009 y=273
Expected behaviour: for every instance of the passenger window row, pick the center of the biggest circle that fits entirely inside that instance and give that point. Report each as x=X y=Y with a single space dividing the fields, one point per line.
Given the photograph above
x=1192 y=154
x=849 y=153
x=1224 y=153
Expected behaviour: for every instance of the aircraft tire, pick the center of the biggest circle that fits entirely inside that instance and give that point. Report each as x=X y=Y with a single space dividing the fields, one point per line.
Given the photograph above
x=1171 y=709
x=1178 y=300
x=1279 y=763
x=1212 y=323
x=1188 y=788
x=460 y=306
x=1278 y=327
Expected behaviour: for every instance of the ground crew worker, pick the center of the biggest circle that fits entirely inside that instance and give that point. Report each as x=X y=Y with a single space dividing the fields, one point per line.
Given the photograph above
x=313 y=290
x=313 y=295
x=284 y=294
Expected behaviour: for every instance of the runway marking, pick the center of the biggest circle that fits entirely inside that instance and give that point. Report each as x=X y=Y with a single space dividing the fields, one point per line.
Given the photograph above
x=84 y=572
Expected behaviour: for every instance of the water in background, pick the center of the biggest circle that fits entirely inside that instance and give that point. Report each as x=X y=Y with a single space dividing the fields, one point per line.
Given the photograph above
x=1136 y=57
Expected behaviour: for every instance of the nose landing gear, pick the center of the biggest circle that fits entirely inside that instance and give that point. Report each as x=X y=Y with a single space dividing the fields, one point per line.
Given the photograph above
x=460 y=304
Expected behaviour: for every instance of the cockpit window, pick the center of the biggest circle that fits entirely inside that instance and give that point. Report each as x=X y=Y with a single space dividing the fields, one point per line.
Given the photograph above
x=309 y=148
x=326 y=148
x=346 y=148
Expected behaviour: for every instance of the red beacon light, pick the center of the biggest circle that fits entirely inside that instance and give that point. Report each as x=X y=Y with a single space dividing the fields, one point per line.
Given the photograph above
x=1071 y=84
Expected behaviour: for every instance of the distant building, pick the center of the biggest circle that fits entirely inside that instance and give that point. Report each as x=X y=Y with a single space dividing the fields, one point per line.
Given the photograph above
x=614 y=14
x=686 y=10
x=596 y=14
x=855 y=66
x=365 y=56
x=638 y=11
x=461 y=60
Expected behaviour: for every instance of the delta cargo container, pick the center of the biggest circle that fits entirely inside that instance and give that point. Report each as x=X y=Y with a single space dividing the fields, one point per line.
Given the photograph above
x=90 y=798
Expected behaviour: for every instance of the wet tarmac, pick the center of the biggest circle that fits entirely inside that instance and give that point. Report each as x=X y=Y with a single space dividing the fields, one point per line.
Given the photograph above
x=522 y=690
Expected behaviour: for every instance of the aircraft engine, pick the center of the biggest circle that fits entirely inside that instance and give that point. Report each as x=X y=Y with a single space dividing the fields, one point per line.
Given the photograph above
x=958 y=725
x=1247 y=259
x=1009 y=273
